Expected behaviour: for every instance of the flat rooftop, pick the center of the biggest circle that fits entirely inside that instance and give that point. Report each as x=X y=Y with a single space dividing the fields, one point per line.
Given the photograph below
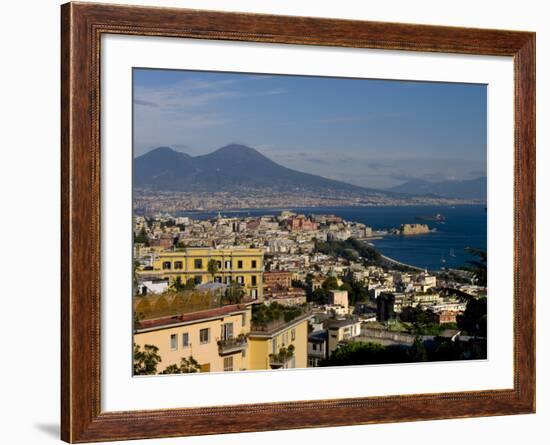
x=175 y=320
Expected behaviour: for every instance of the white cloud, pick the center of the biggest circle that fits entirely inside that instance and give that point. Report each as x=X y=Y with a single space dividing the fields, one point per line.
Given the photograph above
x=171 y=112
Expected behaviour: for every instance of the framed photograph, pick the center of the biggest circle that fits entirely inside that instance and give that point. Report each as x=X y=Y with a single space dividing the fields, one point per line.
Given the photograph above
x=274 y=222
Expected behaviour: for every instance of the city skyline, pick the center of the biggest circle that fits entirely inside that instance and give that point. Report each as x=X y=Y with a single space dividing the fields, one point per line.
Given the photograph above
x=304 y=122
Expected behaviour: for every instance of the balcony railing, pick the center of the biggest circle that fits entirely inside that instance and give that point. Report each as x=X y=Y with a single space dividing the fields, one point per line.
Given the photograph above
x=232 y=344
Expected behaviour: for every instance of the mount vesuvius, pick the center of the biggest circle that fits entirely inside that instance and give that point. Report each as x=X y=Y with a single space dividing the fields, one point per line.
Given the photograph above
x=229 y=168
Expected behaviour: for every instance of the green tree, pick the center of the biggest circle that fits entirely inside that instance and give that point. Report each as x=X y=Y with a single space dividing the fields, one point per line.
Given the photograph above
x=186 y=366
x=142 y=237
x=417 y=352
x=331 y=283
x=146 y=360
x=421 y=321
x=213 y=268
x=233 y=294
x=172 y=369
x=474 y=319
x=350 y=249
x=178 y=285
x=478 y=266
x=263 y=313
x=361 y=353
x=357 y=292
x=319 y=296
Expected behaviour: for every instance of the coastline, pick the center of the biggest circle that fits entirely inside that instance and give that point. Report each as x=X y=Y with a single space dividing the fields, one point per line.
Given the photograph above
x=266 y=209
x=465 y=227
x=399 y=263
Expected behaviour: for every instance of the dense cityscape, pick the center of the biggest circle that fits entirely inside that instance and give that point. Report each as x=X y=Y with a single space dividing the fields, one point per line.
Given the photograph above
x=151 y=201
x=290 y=290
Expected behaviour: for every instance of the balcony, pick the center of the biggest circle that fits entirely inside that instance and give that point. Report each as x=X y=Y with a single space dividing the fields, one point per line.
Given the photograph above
x=232 y=344
x=282 y=358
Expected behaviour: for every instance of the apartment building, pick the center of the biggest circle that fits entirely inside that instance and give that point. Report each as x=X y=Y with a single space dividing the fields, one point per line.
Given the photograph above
x=202 y=265
x=215 y=338
x=279 y=344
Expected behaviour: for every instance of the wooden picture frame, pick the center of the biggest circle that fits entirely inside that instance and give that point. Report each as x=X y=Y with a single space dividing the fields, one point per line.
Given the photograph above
x=82 y=26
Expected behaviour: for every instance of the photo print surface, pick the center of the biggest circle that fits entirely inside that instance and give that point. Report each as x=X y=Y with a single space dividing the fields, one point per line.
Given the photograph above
x=284 y=221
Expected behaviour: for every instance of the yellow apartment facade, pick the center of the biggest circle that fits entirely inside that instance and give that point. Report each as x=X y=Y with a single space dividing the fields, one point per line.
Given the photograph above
x=268 y=346
x=244 y=266
x=215 y=338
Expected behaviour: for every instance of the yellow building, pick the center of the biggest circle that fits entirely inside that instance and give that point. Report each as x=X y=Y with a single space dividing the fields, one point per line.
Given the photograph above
x=233 y=265
x=269 y=345
x=215 y=338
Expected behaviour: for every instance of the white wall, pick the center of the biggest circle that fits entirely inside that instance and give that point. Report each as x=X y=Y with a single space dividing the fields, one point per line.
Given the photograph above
x=29 y=175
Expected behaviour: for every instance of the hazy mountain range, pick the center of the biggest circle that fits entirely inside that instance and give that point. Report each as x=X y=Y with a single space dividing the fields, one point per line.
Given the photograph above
x=240 y=167
x=466 y=189
x=232 y=166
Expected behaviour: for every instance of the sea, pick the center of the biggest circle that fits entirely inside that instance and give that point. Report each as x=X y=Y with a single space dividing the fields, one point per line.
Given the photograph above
x=464 y=226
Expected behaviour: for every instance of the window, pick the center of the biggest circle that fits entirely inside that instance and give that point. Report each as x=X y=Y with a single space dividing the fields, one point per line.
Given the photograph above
x=217 y=279
x=198 y=264
x=254 y=264
x=293 y=334
x=239 y=264
x=228 y=364
x=166 y=265
x=254 y=280
x=314 y=346
x=204 y=335
x=219 y=264
x=240 y=279
x=185 y=340
x=173 y=342
x=227 y=331
x=254 y=293
x=227 y=280
x=198 y=279
x=178 y=265
x=228 y=264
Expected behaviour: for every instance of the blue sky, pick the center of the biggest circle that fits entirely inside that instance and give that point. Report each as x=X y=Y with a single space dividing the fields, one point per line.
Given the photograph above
x=368 y=132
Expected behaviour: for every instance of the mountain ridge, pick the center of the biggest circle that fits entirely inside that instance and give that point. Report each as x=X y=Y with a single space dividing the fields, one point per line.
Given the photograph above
x=228 y=167
x=237 y=167
x=475 y=188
